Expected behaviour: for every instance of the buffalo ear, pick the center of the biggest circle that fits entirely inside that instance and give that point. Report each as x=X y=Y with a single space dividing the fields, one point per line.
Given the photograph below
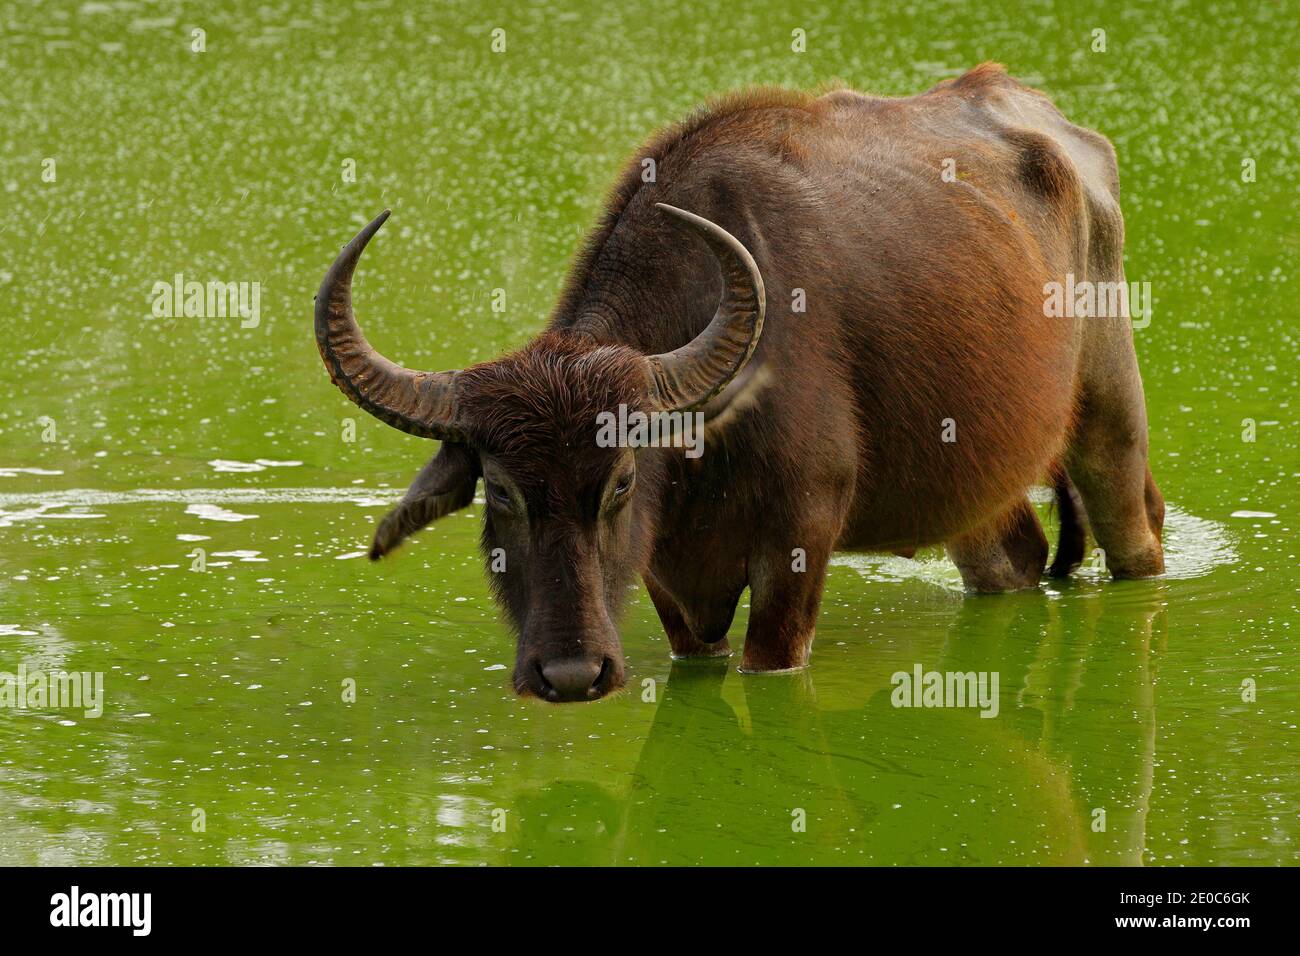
x=444 y=485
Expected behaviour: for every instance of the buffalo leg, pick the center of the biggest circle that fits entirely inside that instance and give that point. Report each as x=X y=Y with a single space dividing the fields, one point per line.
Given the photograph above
x=681 y=638
x=1004 y=555
x=1125 y=509
x=1107 y=455
x=785 y=595
x=1107 y=458
x=1073 y=538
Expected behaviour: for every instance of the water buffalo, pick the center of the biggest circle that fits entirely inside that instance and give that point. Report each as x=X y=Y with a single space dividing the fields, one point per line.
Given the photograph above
x=867 y=339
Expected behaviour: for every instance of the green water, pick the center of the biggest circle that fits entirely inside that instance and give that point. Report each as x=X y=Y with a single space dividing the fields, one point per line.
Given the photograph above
x=224 y=689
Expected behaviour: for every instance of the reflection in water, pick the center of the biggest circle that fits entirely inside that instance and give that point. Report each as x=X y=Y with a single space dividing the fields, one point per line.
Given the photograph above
x=568 y=823
x=1063 y=775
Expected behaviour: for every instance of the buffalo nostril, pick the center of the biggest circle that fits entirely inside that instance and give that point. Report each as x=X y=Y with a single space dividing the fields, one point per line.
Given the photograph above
x=572 y=678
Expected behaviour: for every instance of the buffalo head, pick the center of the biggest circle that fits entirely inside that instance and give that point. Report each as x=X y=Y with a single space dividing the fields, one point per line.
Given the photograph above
x=568 y=523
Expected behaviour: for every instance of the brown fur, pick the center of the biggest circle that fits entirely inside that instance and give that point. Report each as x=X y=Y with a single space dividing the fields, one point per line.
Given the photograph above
x=924 y=310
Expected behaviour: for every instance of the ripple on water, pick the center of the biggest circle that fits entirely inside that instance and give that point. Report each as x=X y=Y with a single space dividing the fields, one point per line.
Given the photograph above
x=217 y=513
x=1194 y=547
x=260 y=464
x=204 y=503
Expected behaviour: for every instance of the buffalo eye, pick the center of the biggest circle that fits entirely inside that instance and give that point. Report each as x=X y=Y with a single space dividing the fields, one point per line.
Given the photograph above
x=624 y=486
x=497 y=495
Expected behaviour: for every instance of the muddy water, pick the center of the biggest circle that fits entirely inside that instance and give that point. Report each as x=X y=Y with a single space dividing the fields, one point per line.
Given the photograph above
x=291 y=702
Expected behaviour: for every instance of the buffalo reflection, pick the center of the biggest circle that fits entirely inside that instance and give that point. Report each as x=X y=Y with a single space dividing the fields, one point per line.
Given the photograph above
x=763 y=769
